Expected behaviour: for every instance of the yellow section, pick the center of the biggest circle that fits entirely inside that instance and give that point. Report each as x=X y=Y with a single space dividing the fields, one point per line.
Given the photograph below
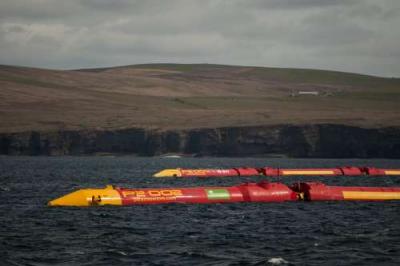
x=168 y=173
x=392 y=172
x=89 y=197
x=307 y=172
x=369 y=195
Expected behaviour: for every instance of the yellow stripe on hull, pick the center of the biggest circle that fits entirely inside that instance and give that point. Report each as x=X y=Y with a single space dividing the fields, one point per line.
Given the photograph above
x=392 y=172
x=370 y=195
x=307 y=172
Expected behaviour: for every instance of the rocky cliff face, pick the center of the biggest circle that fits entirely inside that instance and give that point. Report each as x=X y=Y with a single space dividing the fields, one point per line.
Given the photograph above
x=324 y=140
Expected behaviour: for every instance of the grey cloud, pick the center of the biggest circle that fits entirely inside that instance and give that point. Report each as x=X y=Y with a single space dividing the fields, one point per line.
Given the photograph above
x=298 y=4
x=15 y=28
x=349 y=35
x=36 y=10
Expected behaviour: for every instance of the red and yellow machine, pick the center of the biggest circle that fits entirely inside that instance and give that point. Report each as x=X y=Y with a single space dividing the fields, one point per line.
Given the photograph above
x=247 y=192
x=269 y=171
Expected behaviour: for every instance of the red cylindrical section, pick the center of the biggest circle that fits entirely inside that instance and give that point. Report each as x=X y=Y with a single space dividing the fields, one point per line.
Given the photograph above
x=351 y=170
x=208 y=172
x=269 y=171
x=180 y=195
x=251 y=192
x=380 y=171
x=315 y=191
x=245 y=171
x=267 y=192
x=373 y=171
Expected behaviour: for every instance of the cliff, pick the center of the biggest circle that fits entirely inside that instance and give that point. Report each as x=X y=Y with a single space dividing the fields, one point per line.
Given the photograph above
x=320 y=140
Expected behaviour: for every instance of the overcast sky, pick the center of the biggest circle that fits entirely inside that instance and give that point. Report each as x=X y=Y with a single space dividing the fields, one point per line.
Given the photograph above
x=360 y=36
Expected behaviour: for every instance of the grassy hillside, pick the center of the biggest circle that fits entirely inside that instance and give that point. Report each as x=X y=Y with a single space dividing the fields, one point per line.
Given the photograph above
x=191 y=96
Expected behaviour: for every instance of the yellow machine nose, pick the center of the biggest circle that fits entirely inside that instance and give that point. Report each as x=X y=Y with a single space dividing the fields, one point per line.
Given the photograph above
x=169 y=173
x=89 y=197
x=77 y=198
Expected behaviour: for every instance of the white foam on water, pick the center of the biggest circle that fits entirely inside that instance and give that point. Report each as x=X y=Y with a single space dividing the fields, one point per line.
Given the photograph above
x=4 y=188
x=277 y=261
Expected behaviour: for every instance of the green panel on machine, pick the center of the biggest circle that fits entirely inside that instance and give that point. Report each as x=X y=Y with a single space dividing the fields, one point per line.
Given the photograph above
x=218 y=194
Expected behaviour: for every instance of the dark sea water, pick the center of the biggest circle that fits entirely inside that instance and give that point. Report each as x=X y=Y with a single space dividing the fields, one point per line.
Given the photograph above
x=292 y=233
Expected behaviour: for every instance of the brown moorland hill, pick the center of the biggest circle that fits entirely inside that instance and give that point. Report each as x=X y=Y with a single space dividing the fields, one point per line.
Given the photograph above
x=170 y=96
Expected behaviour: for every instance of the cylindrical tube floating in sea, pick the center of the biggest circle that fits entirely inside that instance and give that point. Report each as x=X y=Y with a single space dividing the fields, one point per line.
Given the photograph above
x=378 y=171
x=316 y=191
x=178 y=172
x=269 y=171
x=248 y=192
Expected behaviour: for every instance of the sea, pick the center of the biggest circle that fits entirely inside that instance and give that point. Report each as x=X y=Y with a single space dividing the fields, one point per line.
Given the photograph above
x=291 y=233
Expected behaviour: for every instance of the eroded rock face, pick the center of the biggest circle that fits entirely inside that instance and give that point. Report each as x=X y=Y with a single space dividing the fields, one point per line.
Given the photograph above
x=323 y=140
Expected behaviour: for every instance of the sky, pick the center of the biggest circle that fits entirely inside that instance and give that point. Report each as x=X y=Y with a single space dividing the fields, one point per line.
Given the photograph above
x=361 y=36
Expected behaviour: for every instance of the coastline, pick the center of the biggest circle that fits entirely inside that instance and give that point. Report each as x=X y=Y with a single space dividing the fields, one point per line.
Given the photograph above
x=293 y=141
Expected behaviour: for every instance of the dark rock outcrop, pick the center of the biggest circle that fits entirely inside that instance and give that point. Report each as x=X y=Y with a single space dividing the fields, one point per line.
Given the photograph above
x=323 y=140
